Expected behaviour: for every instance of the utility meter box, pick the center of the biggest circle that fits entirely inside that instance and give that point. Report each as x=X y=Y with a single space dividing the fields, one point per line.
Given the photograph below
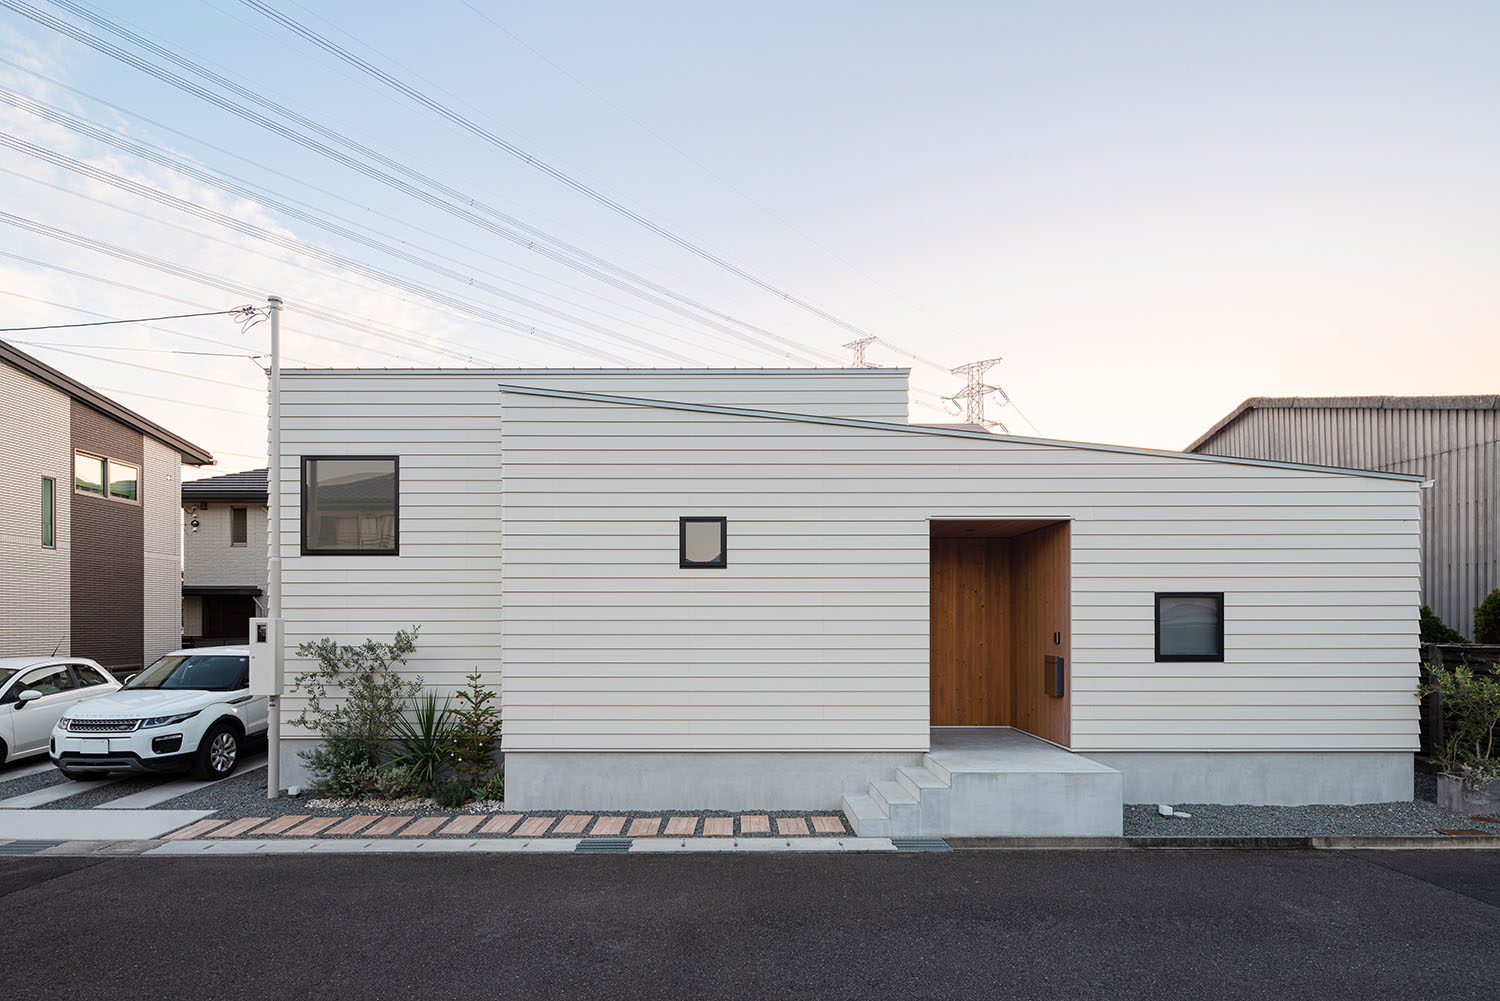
x=265 y=656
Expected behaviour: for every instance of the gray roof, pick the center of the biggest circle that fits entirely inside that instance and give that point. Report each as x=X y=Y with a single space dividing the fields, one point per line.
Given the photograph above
x=193 y=455
x=1347 y=403
x=248 y=485
x=776 y=415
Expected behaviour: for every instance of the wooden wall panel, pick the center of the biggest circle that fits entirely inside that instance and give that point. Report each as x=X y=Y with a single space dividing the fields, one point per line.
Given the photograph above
x=1039 y=606
x=970 y=644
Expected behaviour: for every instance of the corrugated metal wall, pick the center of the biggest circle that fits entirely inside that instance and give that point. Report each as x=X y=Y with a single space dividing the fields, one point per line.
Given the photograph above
x=1452 y=440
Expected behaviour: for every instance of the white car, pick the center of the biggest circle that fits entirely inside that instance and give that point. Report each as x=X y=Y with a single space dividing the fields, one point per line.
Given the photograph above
x=191 y=711
x=35 y=692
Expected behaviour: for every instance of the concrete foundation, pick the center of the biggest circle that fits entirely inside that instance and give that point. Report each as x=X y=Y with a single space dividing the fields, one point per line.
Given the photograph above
x=1262 y=778
x=709 y=780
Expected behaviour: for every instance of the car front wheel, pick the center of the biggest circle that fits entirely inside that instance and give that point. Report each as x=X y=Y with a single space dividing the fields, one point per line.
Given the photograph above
x=218 y=753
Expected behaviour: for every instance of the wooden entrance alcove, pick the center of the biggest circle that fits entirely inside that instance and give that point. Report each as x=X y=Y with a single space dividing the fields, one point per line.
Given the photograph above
x=1000 y=608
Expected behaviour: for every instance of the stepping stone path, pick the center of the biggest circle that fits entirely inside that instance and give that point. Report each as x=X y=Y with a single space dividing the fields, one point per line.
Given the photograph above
x=517 y=825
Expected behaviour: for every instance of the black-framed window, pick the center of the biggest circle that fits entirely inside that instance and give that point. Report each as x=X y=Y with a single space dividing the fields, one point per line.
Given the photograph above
x=1190 y=626
x=239 y=526
x=702 y=543
x=351 y=505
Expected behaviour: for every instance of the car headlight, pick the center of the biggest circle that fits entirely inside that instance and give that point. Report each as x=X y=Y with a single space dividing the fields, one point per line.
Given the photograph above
x=65 y=724
x=167 y=720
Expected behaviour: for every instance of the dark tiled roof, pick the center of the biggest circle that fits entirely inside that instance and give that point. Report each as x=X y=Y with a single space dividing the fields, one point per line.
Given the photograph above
x=248 y=485
x=38 y=369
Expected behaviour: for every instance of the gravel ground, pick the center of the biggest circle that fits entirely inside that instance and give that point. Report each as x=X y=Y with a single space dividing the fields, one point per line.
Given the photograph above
x=29 y=783
x=1377 y=819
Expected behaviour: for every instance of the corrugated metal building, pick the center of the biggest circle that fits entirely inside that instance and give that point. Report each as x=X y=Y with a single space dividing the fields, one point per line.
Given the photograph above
x=1452 y=440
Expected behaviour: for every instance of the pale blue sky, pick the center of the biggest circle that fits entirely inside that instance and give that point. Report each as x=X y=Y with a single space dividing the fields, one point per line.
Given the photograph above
x=1151 y=211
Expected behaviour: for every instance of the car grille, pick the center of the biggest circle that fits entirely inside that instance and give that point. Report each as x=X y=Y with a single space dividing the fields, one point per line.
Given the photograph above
x=102 y=725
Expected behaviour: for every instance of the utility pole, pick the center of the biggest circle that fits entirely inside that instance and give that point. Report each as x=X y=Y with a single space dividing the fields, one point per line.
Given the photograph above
x=858 y=347
x=974 y=393
x=273 y=581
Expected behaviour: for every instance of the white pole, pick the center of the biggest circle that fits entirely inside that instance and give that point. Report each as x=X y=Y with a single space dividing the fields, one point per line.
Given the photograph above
x=273 y=580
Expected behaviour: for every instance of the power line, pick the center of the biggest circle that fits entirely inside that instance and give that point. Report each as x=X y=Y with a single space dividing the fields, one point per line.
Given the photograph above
x=464 y=206
x=446 y=112
x=152 y=368
x=241 y=311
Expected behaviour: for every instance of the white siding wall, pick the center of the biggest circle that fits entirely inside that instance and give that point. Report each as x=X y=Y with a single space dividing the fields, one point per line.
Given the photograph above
x=208 y=558
x=816 y=636
x=446 y=428
x=35 y=586
x=161 y=502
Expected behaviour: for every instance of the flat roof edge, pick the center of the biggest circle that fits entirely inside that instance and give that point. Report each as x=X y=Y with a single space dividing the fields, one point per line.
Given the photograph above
x=891 y=370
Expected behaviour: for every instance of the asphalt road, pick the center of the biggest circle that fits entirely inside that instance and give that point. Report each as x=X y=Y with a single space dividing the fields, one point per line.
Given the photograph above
x=972 y=925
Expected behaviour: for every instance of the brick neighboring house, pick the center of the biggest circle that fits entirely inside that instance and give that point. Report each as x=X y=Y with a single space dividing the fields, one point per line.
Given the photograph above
x=224 y=570
x=90 y=522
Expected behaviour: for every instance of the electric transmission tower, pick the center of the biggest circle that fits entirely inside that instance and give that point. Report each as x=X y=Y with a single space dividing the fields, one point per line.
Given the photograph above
x=974 y=394
x=858 y=347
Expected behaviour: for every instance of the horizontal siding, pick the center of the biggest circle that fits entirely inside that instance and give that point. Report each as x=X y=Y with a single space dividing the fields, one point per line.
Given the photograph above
x=815 y=637
x=447 y=429
x=1457 y=448
x=35 y=582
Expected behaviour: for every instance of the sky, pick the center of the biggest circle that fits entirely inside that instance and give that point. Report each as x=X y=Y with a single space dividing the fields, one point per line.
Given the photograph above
x=1150 y=211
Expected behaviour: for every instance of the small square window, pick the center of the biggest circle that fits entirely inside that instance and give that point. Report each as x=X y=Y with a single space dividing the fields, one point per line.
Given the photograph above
x=239 y=528
x=1190 y=626
x=703 y=543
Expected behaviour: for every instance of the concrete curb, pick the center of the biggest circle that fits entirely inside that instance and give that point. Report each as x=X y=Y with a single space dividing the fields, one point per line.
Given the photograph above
x=1246 y=843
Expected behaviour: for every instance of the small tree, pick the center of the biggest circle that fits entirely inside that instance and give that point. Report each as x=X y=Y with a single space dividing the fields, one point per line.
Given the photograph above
x=355 y=697
x=1435 y=630
x=475 y=727
x=1487 y=619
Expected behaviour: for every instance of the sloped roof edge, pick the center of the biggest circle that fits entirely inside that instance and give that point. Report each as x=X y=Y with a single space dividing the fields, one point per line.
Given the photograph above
x=1475 y=402
x=707 y=408
x=193 y=455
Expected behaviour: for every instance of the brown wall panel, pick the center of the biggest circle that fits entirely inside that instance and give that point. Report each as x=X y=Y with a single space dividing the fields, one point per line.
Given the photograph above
x=970 y=683
x=108 y=552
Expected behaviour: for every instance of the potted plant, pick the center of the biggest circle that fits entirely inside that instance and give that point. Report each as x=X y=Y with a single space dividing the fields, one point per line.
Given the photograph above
x=1468 y=773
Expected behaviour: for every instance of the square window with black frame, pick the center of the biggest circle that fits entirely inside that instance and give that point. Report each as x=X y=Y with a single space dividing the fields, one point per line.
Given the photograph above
x=351 y=505
x=1190 y=626
x=703 y=543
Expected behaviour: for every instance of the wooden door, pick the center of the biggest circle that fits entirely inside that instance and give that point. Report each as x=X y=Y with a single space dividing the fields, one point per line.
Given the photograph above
x=970 y=645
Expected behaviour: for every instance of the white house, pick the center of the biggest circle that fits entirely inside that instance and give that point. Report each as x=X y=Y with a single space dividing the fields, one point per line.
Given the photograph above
x=224 y=556
x=734 y=589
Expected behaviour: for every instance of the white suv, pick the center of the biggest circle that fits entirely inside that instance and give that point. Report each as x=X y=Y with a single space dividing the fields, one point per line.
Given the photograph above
x=190 y=711
x=37 y=691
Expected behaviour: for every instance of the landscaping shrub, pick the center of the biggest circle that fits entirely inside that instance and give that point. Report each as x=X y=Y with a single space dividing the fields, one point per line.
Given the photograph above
x=1487 y=619
x=1435 y=630
x=452 y=794
x=495 y=788
x=475 y=728
x=422 y=738
x=1471 y=716
x=355 y=699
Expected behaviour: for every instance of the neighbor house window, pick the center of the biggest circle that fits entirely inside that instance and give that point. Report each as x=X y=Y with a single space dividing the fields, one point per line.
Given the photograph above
x=49 y=512
x=703 y=543
x=350 y=505
x=88 y=474
x=124 y=481
x=239 y=529
x=1190 y=626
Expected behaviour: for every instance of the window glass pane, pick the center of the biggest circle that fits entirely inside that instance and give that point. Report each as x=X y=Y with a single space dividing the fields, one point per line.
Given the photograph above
x=122 y=480
x=49 y=509
x=1188 y=626
x=88 y=474
x=87 y=676
x=703 y=542
x=238 y=529
x=47 y=680
x=351 y=504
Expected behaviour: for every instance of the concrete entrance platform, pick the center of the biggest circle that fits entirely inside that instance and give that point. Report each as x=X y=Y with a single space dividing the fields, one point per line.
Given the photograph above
x=94 y=825
x=992 y=782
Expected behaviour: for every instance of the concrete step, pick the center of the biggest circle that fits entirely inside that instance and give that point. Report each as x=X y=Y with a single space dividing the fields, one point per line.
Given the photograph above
x=866 y=816
x=918 y=779
x=901 y=806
